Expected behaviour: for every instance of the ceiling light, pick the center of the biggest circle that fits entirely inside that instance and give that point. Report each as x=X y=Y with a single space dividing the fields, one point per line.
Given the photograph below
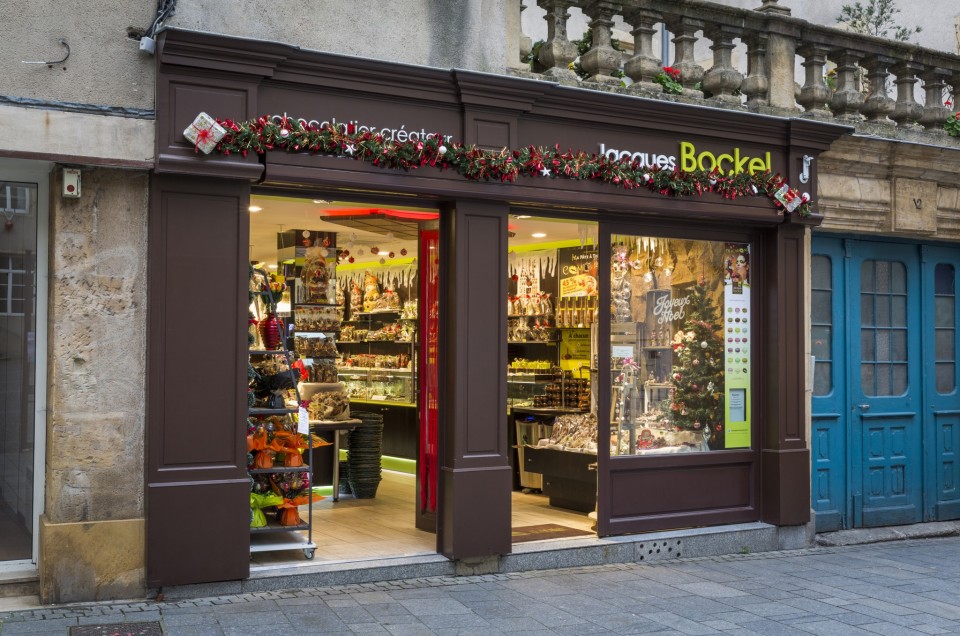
x=523 y=216
x=254 y=208
x=272 y=266
x=538 y=235
x=320 y=201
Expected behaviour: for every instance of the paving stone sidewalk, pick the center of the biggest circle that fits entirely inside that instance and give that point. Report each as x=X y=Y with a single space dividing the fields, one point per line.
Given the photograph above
x=904 y=587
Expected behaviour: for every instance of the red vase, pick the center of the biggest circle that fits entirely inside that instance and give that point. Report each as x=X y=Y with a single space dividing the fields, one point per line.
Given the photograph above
x=270 y=331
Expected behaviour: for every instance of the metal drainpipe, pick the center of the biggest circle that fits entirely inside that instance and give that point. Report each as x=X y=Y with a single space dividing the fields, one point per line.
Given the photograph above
x=664 y=46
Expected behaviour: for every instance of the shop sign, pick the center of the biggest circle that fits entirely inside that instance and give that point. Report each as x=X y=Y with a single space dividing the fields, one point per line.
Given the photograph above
x=690 y=160
x=400 y=135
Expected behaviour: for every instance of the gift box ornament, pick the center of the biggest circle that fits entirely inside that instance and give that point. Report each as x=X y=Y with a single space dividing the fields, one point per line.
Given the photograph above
x=204 y=133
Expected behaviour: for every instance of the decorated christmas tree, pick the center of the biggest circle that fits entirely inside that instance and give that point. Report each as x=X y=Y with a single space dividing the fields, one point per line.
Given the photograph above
x=697 y=373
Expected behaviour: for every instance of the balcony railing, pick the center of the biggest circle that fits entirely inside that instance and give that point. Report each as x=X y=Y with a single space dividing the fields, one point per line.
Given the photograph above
x=865 y=69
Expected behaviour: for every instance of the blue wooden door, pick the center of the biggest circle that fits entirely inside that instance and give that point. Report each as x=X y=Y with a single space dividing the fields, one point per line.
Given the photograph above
x=828 y=438
x=872 y=338
x=884 y=383
x=941 y=399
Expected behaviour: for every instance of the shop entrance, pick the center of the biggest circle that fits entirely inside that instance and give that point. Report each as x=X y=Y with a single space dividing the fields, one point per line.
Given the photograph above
x=885 y=406
x=552 y=309
x=362 y=339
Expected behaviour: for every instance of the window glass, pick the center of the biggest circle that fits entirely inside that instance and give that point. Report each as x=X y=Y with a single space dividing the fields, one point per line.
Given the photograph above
x=883 y=328
x=821 y=335
x=681 y=342
x=945 y=310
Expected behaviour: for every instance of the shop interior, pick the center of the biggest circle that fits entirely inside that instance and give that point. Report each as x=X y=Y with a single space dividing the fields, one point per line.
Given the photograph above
x=353 y=343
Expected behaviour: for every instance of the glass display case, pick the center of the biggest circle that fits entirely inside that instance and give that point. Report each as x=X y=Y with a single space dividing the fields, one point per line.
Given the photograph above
x=379 y=385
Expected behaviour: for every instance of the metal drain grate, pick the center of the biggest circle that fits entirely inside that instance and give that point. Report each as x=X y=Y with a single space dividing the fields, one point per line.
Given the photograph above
x=121 y=629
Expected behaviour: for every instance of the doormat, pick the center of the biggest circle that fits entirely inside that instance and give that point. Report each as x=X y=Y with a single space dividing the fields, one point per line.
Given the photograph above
x=120 y=629
x=546 y=531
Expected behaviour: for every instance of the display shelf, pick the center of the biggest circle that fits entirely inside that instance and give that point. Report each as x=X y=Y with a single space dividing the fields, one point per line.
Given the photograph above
x=266 y=411
x=406 y=342
x=273 y=526
x=281 y=539
x=280 y=469
x=526 y=342
x=317 y=305
x=381 y=402
x=362 y=370
x=529 y=315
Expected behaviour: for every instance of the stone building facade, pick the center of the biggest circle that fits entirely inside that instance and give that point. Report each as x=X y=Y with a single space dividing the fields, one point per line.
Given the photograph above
x=94 y=110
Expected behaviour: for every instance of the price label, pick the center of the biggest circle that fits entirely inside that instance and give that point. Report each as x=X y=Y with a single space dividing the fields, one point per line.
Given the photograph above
x=379 y=398
x=303 y=421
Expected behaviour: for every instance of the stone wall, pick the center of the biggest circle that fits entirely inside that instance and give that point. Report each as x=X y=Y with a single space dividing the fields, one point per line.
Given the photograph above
x=877 y=186
x=96 y=390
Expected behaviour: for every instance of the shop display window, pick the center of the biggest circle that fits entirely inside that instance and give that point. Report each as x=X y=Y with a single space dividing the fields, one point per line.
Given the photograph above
x=680 y=345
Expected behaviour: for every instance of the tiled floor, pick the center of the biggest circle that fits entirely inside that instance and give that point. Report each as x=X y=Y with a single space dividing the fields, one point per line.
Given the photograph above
x=358 y=529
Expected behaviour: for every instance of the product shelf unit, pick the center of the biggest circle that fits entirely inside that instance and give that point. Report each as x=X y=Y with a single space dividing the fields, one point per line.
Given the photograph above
x=274 y=536
x=394 y=380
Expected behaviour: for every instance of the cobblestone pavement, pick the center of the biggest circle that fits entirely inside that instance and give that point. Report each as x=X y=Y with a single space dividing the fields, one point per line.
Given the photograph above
x=907 y=587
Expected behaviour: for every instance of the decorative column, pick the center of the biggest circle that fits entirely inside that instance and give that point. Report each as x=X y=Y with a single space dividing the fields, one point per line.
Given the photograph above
x=601 y=60
x=935 y=113
x=524 y=41
x=644 y=65
x=722 y=80
x=878 y=104
x=756 y=84
x=907 y=111
x=684 y=58
x=815 y=93
x=848 y=98
x=557 y=53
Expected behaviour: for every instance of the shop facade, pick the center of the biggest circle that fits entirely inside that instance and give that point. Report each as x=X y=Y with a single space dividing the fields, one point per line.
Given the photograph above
x=199 y=223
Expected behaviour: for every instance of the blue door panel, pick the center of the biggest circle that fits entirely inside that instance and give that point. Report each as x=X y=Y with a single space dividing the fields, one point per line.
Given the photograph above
x=828 y=468
x=829 y=498
x=883 y=287
x=941 y=326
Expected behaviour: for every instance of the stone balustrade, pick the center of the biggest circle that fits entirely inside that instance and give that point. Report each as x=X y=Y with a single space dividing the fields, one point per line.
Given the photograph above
x=875 y=81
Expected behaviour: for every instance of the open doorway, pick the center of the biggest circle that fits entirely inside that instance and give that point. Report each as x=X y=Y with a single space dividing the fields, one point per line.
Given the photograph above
x=355 y=330
x=552 y=310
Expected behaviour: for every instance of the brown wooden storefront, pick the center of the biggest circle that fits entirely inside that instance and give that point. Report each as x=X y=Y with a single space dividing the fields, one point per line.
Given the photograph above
x=197 y=333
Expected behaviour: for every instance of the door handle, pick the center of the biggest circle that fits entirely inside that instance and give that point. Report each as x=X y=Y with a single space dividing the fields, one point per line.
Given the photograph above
x=864 y=407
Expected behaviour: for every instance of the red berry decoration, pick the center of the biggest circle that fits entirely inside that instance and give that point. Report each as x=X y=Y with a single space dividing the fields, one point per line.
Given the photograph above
x=514 y=278
x=350 y=259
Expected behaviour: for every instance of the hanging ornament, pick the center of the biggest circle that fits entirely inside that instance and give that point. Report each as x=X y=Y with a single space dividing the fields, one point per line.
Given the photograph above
x=284 y=133
x=360 y=252
x=403 y=251
x=8 y=225
x=346 y=252
x=350 y=260
x=374 y=250
x=391 y=255
x=704 y=345
x=383 y=261
x=442 y=150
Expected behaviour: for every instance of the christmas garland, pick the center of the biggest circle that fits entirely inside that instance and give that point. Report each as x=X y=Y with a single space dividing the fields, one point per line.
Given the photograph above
x=296 y=135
